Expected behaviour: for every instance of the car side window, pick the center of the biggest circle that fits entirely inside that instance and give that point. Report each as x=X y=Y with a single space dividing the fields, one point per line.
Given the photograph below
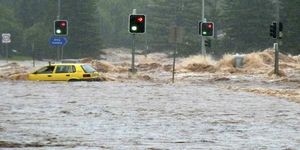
x=73 y=69
x=45 y=70
x=65 y=69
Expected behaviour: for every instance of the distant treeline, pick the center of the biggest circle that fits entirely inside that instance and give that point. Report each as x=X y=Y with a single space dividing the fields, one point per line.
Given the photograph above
x=241 y=26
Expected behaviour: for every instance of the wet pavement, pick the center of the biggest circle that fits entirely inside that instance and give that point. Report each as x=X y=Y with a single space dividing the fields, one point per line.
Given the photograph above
x=142 y=115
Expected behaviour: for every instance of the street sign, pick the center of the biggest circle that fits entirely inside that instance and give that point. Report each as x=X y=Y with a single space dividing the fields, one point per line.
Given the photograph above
x=58 y=41
x=6 y=38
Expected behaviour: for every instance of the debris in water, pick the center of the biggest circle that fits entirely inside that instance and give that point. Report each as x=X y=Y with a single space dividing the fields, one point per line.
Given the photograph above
x=148 y=66
x=280 y=73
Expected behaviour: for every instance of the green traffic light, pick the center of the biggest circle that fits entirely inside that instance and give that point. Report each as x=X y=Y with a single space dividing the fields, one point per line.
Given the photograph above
x=134 y=28
x=58 y=31
x=204 y=33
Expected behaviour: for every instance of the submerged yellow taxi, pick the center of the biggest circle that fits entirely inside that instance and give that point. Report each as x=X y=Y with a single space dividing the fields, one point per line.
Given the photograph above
x=65 y=72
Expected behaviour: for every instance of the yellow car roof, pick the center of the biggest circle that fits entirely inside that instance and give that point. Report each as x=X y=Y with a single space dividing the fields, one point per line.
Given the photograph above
x=75 y=64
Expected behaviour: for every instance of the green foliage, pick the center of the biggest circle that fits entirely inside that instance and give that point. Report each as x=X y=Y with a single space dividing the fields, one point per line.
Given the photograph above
x=165 y=14
x=9 y=24
x=291 y=26
x=84 y=28
x=240 y=25
x=36 y=35
x=183 y=13
x=113 y=15
x=246 y=24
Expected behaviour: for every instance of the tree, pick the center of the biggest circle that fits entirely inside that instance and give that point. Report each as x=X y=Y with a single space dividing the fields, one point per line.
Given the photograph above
x=30 y=12
x=182 y=13
x=9 y=24
x=36 y=35
x=246 y=25
x=291 y=26
x=84 y=28
x=114 y=20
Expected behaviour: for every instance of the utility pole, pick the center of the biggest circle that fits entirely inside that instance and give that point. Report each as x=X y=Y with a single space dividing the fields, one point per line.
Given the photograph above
x=276 y=45
x=58 y=17
x=133 y=55
x=33 y=54
x=203 y=50
x=175 y=52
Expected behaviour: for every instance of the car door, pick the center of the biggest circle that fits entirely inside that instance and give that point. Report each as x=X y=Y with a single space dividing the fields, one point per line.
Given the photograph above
x=64 y=72
x=43 y=74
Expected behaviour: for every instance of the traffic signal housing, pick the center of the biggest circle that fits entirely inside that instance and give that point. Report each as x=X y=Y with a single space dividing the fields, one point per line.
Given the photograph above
x=280 y=33
x=137 y=23
x=207 y=29
x=208 y=43
x=273 y=30
x=60 y=27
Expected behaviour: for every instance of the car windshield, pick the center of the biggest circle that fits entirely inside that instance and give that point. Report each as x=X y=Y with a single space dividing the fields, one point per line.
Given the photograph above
x=88 y=69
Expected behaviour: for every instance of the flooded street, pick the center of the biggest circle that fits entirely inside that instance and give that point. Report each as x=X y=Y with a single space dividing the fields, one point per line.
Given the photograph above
x=142 y=115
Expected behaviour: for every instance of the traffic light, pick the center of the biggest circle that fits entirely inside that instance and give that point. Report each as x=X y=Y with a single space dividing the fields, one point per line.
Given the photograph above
x=207 y=29
x=273 y=28
x=137 y=23
x=280 y=27
x=208 y=43
x=280 y=34
x=60 y=27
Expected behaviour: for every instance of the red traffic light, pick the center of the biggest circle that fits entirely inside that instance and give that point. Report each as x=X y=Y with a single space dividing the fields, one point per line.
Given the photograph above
x=140 y=19
x=209 y=25
x=63 y=24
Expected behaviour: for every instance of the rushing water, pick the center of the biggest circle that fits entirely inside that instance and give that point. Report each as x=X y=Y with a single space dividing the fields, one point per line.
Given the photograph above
x=113 y=115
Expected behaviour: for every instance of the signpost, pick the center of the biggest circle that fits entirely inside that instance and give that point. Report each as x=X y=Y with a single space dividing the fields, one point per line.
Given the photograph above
x=175 y=37
x=6 y=40
x=59 y=41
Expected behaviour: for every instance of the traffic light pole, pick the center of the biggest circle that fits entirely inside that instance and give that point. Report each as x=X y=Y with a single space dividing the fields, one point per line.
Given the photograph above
x=203 y=50
x=276 y=45
x=174 y=61
x=133 y=70
x=33 y=54
x=276 y=70
x=58 y=17
x=62 y=53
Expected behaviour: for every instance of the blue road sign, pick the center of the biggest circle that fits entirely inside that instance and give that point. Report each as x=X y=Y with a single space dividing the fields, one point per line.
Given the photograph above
x=58 y=41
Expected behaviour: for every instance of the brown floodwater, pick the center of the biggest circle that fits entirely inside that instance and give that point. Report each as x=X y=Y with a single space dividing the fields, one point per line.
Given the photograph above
x=142 y=115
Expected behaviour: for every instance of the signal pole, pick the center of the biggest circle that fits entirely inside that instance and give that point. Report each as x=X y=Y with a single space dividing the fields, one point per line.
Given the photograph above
x=58 y=17
x=133 y=70
x=276 y=45
x=203 y=50
x=33 y=54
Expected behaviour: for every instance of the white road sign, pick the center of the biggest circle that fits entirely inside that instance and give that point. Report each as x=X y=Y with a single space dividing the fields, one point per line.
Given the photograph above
x=6 y=38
